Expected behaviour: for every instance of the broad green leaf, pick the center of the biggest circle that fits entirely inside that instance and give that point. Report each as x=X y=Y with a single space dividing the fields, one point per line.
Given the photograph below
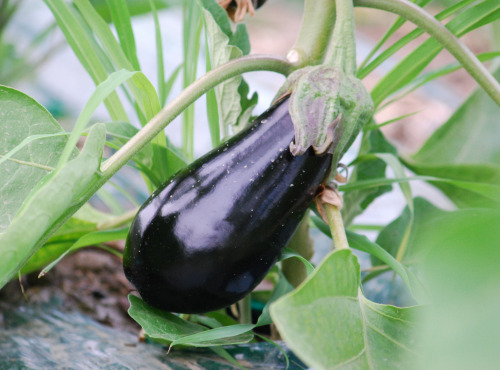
x=461 y=271
x=172 y=329
x=379 y=254
x=354 y=333
x=470 y=136
x=467 y=185
x=427 y=218
x=21 y=117
x=465 y=149
x=282 y=287
x=288 y=253
x=234 y=334
x=356 y=201
x=224 y=46
x=57 y=196
x=361 y=242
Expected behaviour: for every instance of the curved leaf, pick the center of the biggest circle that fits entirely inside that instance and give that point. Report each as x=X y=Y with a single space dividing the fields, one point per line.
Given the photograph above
x=355 y=332
x=22 y=117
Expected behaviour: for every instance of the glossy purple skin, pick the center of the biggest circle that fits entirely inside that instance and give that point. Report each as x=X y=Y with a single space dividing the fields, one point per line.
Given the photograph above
x=210 y=234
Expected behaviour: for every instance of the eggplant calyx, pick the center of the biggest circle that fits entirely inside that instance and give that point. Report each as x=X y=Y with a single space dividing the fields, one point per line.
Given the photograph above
x=328 y=108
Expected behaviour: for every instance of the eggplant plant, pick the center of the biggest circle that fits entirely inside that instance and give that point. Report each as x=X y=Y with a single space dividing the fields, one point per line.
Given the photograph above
x=214 y=227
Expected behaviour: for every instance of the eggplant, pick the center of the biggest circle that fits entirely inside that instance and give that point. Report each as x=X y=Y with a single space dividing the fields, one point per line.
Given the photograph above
x=210 y=234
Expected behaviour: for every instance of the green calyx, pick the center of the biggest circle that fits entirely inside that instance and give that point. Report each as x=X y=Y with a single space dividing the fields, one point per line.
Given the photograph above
x=329 y=106
x=328 y=109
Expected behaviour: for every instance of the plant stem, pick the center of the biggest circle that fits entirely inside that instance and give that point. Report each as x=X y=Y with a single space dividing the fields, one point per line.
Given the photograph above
x=442 y=35
x=343 y=47
x=336 y=226
x=245 y=309
x=185 y=99
x=315 y=32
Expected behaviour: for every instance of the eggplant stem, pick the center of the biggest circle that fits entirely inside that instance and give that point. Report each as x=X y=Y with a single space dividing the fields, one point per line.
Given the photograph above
x=343 y=47
x=315 y=32
x=336 y=226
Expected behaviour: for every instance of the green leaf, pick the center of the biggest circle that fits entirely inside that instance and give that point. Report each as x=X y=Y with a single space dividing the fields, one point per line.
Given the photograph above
x=22 y=118
x=414 y=63
x=234 y=334
x=211 y=99
x=191 y=33
x=469 y=136
x=288 y=253
x=103 y=90
x=121 y=132
x=355 y=333
x=361 y=242
x=172 y=329
x=461 y=271
x=282 y=287
x=83 y=222
x=92 y=238
x=83 y=48
x=121 y=18
x=427 y=217
x=136 y=7
x=57 y=196
x=465 y=149
x=364 y=69
x=356 y=201
x=380 y=256
x=224 y=46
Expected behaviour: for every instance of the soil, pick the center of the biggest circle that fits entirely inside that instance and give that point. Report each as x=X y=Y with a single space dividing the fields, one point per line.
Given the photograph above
x=90 y=281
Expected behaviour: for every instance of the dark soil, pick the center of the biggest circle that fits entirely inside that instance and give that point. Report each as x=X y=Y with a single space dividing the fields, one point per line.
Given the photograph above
x=91 y=281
